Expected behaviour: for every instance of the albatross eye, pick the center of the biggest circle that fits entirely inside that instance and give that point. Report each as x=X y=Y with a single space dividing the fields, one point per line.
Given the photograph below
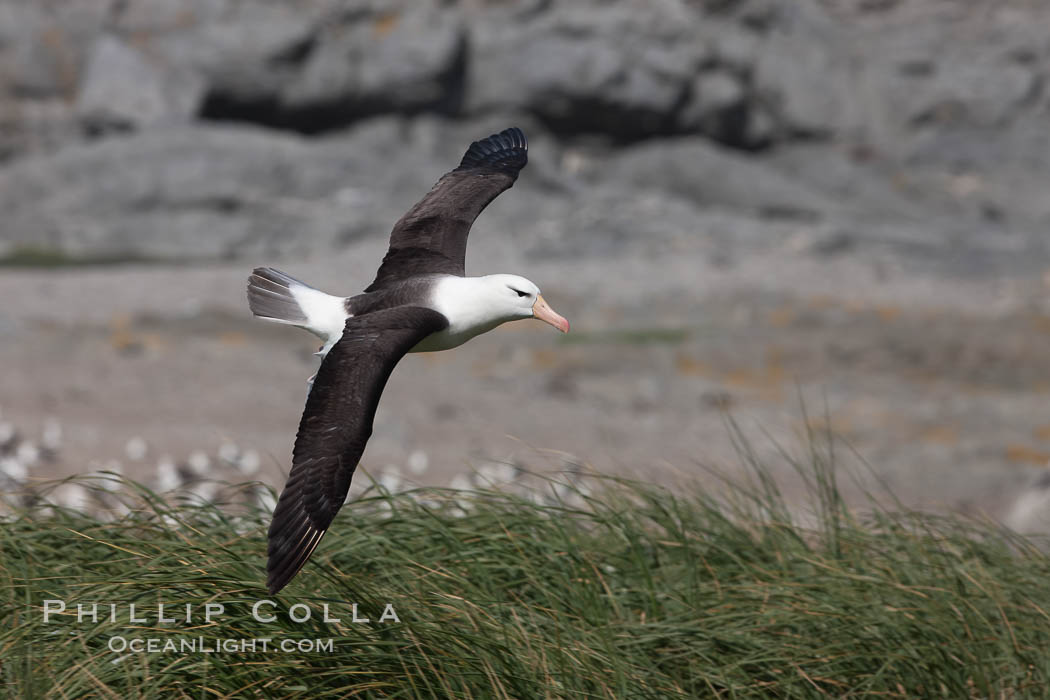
x=519 y=292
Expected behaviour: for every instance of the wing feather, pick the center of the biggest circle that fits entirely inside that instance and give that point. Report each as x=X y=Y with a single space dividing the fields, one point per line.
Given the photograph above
x=334 y=429
x=432 y=236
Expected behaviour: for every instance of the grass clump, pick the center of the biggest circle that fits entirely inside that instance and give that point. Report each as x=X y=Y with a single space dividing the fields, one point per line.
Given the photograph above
x=636 y=592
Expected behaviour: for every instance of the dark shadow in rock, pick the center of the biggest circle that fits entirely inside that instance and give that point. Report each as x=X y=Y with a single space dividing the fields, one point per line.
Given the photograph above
x=339 y=111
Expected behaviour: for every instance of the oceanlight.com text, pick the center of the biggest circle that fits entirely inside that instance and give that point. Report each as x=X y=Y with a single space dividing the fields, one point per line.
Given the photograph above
x=202 y=645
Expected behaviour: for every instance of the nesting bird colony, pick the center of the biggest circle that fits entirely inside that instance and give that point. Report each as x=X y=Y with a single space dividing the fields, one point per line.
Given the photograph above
x=230 y=474
x=28 y=460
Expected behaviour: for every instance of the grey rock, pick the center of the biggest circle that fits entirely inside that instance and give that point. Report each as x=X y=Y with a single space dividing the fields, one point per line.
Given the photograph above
x=760 y=128
x=153 y=17
x=614 y=221
x=732 y=46
x=805 y=81
x=35 y=125
x=123 y=88
x=717 y=106
x=748 y=73
x=188 y=194
x=912 y=124
x=325 y=65
x=220 y=192
x=836 y=242
x=248 y=55
x=986 y=90
x=963 y=75
x=618 y=70
x=711 y=176
x=403 y=65
x=44 y=44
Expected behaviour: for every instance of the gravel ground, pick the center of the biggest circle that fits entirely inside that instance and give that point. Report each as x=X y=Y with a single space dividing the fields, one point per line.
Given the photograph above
x=940 y=387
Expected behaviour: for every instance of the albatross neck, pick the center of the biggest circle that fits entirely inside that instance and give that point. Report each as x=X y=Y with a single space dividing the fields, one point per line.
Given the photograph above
x=472 y=305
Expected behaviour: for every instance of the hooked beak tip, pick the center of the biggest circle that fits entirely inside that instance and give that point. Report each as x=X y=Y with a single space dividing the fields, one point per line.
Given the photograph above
x=542 y=310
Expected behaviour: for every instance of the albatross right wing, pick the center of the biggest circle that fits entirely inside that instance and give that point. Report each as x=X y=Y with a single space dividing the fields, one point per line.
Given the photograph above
x=432 y=236
x=335 y=427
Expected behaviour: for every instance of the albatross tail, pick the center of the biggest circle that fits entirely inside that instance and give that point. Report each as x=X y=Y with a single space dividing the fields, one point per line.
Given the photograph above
x=275 y=296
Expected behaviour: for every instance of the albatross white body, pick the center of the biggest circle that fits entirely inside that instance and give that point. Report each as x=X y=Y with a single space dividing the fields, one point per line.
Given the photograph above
x=472 y=305
x=420 y=301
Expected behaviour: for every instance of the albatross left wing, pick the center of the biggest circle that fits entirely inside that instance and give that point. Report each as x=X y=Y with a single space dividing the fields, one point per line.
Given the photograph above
x=432 y=236
x=335 y=426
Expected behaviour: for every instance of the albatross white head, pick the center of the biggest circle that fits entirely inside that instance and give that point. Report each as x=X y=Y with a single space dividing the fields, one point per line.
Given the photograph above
x=520 y=298
x=474 y=305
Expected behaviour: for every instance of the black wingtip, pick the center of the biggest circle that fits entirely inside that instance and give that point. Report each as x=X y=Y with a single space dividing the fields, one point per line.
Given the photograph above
x=507 y=151
x=293 y=537
x=288 y=557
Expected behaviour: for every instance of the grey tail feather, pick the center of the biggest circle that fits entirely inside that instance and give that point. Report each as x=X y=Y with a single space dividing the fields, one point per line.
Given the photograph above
x=270 y=296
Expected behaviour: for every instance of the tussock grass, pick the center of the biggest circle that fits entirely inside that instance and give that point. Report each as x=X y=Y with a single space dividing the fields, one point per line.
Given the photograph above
x=636 y=592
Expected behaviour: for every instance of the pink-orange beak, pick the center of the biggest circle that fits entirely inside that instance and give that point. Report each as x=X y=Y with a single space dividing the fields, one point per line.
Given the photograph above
x=542 y=310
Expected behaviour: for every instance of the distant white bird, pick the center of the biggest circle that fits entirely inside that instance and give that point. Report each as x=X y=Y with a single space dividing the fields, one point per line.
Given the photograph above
x=13 y=468
x=51 y=436
x=461 y=482
x=168 y=478
x=72 y=495
x=197 y=465
x=112 y=483
x=8 y=435
x=249 y=463
x=418 y=462
x=390 y=479
x=27 y=453
x=229 y=452
x=204 y=489
x=265 y=498
x=494 y=474
x=136 y=449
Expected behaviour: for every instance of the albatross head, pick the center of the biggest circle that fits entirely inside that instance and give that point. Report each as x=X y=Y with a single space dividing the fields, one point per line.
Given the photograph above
x=474 y=305
x=516 y=297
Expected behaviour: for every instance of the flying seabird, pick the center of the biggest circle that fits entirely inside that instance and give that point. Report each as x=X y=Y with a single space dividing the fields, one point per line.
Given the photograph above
x=421 y=301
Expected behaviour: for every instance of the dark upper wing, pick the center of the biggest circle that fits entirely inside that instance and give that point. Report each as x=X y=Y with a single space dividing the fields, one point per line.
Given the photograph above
x=432 y=236
x=335 y=426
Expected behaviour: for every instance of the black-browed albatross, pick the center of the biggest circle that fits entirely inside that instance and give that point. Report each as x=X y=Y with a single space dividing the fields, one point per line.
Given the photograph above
x=420 y=301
